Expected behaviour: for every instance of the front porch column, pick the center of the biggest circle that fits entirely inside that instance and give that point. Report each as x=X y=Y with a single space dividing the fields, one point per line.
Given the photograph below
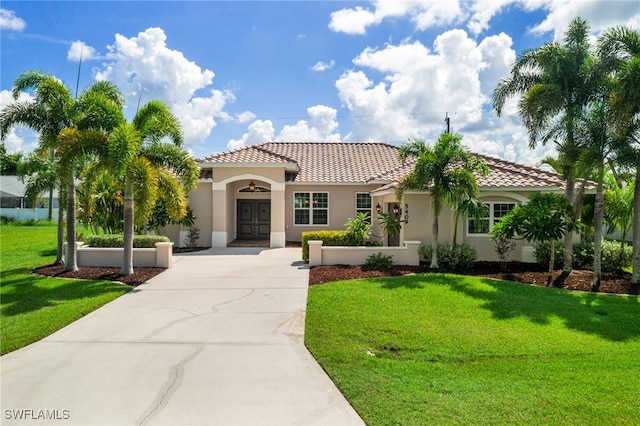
x=278 y=235
x=219 y=236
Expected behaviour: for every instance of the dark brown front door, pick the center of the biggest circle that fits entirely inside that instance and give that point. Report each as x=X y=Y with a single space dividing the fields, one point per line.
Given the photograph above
x=254 y=219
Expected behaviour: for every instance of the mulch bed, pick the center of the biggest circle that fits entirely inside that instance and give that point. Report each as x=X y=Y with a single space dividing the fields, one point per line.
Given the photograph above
x=619 y=283
x=140 y=275
x=580 y=279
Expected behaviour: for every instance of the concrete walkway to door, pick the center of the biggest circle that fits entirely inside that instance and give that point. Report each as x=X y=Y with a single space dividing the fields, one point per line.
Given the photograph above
x=215 y=340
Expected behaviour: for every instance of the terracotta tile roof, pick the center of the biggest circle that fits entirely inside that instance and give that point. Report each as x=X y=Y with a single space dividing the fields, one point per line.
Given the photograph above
x=253 y=154
x=507 y=174
x=368 y=162
x=319 y=162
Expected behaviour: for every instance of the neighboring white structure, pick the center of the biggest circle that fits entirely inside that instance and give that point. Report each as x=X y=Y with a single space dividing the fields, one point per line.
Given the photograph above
x=13 y=204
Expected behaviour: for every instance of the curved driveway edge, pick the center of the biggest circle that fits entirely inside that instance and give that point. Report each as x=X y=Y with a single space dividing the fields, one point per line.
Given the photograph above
x=215 y=340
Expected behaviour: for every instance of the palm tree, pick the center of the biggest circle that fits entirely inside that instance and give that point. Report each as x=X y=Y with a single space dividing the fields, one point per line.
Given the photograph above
x=618 y=208
x=152 y=169
x=101 y=199
x=619 y=50
x=39 y=171
x=447 y=171
x=48 y=115
x=555 y=82
x=54 y=110
x=595 y=135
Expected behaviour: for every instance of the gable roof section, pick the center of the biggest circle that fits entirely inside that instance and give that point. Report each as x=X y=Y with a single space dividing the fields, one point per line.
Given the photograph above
x=370 y=162
x=248 y=156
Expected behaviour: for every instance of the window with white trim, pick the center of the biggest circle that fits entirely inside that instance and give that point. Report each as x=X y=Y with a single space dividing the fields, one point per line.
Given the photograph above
x=363 y=203
x=311 y=208
x=484 y=225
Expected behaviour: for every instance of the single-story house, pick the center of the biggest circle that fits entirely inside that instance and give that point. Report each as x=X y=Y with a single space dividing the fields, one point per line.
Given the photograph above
x=277 y=190
x=13 y=203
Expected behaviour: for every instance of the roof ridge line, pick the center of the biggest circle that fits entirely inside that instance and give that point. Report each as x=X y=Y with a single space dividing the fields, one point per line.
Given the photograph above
x=547 y=176
x=275 y=154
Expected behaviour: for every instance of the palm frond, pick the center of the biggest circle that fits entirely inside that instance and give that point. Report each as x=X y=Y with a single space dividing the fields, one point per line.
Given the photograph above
x=155 y=121
x=173 y=195
x=144 y=180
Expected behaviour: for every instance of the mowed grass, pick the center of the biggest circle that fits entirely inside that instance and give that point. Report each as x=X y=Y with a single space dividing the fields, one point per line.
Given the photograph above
x=32 y=307
x=437 y=349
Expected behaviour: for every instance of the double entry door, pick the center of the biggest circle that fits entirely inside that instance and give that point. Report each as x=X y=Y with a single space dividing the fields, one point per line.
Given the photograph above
x=254 y=219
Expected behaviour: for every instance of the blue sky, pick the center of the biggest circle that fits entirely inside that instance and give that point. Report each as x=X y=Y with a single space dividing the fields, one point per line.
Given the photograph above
x=239 y=73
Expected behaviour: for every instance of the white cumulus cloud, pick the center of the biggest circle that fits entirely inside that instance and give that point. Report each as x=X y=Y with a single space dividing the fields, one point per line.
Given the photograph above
x=245 y=117
x=420 y=85
x=320 y=128
x=259 y=131
x=323 y=66
x=10 y=22
x=424 y=14
x=599 y=14
x=18 y=138
x=79 y=50
x=146 y=68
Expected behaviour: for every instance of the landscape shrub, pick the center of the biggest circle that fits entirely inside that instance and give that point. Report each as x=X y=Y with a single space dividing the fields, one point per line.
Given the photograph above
x=452 y=258
x=117 y=240
x=193 y=235
x=359 y=229
x=582 y=254
x=614 y=258
x=542 y=252
x=503 y=247
x=379 y=260
x=328 y=238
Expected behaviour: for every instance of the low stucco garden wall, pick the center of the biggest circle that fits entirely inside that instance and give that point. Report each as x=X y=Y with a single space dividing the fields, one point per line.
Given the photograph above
x=321 y=255
x=159 y=257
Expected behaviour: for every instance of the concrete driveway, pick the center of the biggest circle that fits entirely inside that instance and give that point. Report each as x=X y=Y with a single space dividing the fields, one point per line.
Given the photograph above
x=215 y=340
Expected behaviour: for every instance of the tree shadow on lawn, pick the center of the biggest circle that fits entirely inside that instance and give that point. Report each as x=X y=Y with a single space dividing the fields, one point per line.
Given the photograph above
x=21 y=292
x=612 y=317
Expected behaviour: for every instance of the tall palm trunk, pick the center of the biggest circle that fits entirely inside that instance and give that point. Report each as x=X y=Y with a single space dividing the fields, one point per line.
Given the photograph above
x=597 y=233
x=72 y=263
x=434 y=231
x=552 y=260
x=635 y=277
x=59 y=254
x=127 y=261
x=569 y=192
x=456 y=218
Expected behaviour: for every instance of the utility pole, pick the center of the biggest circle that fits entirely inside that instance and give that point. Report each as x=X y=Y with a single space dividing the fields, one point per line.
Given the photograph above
x=447 y=120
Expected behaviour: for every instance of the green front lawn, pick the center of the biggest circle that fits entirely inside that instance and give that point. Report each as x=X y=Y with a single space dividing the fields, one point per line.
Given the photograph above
x=447 y=349
x=32 y=307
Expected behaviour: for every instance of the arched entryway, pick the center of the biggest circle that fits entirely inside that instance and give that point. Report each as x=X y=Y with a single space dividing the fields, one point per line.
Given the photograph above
x=248 y=211
x=253 y=215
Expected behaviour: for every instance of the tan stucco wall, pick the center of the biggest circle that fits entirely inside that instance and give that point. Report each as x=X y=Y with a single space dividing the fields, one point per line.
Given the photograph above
x=421 y=221
x=342 y=206
x=200 y=200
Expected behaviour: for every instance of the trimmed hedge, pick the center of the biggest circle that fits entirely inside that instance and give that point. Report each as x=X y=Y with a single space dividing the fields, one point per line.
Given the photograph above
x=117 y=240
x=613 y=258
x=328 y=238
x=450 y=258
